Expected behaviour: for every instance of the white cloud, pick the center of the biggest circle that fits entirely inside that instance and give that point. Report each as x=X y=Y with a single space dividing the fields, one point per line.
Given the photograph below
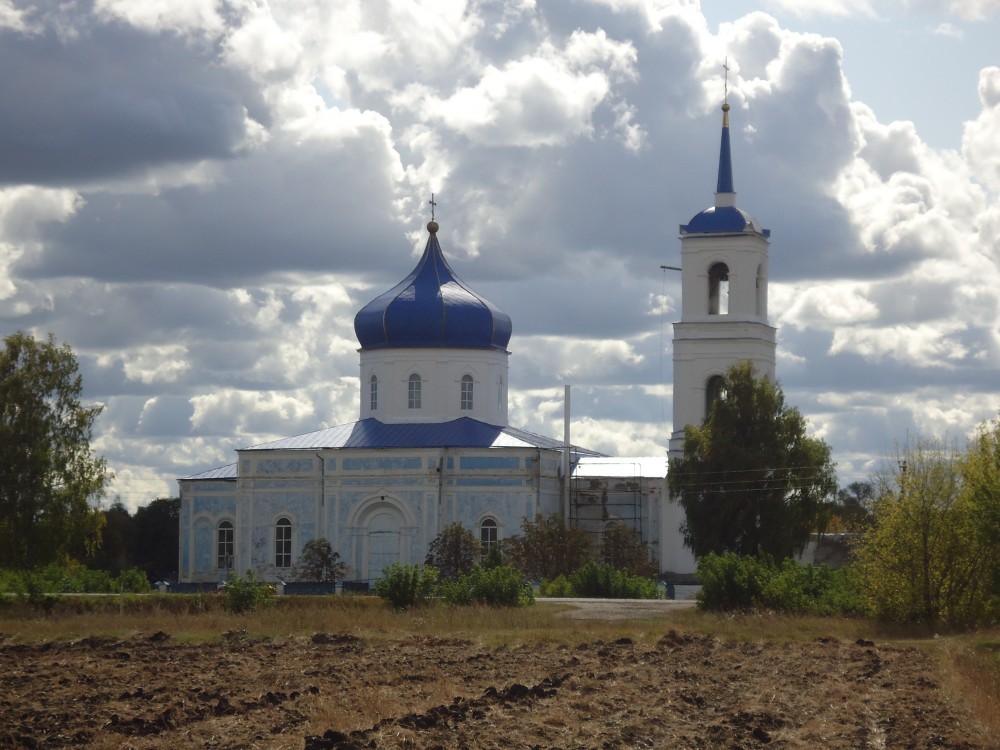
x=251 y=413
x=156 y=15
x=536 y=101
x=971 y=10
x=948 y=30
x=828 y=8
x=12 y=18
x=824 y=305
x=930 y=345
x=981 y=140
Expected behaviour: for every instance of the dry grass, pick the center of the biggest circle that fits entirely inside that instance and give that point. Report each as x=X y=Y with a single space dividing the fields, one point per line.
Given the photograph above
x=970 y=667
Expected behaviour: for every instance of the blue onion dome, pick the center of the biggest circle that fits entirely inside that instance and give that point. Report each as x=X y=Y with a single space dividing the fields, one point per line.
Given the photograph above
x=723 y=220
x=724 y=217
x=432 y=307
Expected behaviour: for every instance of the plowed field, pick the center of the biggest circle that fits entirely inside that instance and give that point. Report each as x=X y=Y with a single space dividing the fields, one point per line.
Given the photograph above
x=340 y=691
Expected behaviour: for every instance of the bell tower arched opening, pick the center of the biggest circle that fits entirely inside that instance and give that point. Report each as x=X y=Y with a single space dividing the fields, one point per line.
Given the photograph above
x=718 y=289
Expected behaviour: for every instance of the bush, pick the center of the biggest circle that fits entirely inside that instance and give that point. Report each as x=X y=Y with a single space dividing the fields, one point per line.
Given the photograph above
x=132 y=581
x=731 y=582
x=405 y=586
x=502 y=586
x=73 y=578
x=557 y=587
x=605 y=582
x=248 y=594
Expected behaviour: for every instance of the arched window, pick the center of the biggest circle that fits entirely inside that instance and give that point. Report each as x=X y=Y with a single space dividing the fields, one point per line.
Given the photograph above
x=718 y=289
x=283 y=543
x=374 y=393
x=466 y=393
x=413 y=392
x=489 y=535
x=714 y=390
x=224 y=546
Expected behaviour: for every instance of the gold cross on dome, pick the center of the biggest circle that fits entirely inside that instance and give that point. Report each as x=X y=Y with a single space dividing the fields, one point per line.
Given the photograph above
x=433 y=204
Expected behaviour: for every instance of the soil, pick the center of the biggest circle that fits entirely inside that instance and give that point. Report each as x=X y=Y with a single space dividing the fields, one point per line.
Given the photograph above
x=340 y=691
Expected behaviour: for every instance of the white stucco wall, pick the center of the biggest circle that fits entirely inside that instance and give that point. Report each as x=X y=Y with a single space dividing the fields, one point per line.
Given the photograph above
x=441 y=371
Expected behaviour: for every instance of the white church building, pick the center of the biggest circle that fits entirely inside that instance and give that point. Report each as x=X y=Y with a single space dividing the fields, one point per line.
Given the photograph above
x=433 y=445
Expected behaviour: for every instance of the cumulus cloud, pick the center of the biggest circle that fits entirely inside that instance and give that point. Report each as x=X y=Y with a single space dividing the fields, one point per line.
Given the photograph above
x=198 y=197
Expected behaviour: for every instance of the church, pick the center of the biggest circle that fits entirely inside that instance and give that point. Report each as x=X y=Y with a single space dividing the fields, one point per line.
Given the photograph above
x=433 y=445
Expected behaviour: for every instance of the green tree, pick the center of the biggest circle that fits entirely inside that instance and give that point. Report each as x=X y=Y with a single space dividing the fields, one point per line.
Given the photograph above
x=547 y=548
x=455 y=551
x=981 y=487
x=117 y=549
x=49 y=476
x=852 y=510
x=622 y=549
x=926 y=556
x=156 y=530
x=750 y=480
x=318 y=562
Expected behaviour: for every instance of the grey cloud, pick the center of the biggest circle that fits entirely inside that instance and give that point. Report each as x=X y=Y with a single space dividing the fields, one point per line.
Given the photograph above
x=284 y=209
x=108 y=100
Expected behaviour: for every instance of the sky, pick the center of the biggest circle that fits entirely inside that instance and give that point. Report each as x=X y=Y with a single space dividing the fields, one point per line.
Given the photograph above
x=198 y=196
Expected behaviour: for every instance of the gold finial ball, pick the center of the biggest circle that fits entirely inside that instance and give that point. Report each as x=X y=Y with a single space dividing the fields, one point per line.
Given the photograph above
x=432 y=227
x=725 y=107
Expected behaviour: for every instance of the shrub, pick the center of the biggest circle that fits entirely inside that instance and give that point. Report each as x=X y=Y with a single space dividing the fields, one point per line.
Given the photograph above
x=132 y=581
x=731 y=582
x=405 y=586
x=73 y=578
x=502 y=586
x=604 y=581
x=557 y=587
x=248 y=594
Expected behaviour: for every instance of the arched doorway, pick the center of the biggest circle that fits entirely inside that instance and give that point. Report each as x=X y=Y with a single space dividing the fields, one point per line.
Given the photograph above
x=383 y=541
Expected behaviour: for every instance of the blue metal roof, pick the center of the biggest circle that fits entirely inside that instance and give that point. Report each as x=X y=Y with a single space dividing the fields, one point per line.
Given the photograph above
x=432 y=307
x=458 y=433
x=723 y=220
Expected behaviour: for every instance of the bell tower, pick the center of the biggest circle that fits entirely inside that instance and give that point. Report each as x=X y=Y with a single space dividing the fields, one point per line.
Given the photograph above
x=723 y=300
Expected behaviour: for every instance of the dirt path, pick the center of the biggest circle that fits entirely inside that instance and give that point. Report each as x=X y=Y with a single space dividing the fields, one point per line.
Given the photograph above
x=621 y=609
x=338 y=691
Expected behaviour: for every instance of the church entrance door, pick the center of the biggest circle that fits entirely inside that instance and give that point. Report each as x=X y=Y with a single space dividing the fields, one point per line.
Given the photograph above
x=383 y=542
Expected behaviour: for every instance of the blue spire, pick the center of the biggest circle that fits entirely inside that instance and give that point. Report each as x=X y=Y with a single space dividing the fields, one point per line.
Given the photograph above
x=725 y=184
